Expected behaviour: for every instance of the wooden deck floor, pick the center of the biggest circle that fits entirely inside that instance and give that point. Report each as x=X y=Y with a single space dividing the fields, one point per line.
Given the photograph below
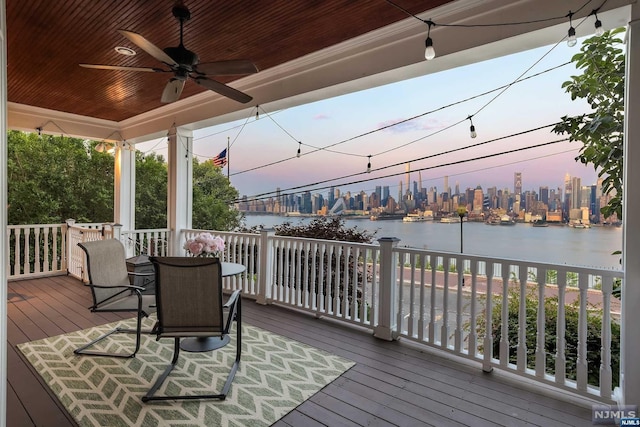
x=392 y=383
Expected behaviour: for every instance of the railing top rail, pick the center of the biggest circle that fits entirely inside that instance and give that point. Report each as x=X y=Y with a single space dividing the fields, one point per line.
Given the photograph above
x=332 y=242
x=147 y=230
x=235 y=233
x=14 y=226
x=538 y=264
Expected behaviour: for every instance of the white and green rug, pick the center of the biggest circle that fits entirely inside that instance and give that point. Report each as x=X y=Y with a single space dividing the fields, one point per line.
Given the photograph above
x=276 y=375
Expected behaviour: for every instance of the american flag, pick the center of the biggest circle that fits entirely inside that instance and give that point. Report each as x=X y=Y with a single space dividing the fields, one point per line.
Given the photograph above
x=221 y=159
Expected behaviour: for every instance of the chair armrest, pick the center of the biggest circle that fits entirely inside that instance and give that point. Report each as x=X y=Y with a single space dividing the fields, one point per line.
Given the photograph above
x=130 y=287
x=232 y=299
x=133 y=273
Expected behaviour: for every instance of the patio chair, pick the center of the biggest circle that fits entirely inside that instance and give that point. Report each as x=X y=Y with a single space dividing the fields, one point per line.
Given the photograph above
x=112 y=291
x=189 y=298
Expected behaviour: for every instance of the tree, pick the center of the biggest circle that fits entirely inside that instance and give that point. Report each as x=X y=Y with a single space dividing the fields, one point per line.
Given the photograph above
x=151 y=190
x=53 y=178
x=601 y=84
x=212 y=198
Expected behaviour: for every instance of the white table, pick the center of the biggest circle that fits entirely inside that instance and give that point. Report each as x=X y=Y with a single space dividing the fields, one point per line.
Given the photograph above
x=198 y=345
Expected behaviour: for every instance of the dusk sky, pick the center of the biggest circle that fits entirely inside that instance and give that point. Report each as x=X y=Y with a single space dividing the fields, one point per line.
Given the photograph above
x=532 y=103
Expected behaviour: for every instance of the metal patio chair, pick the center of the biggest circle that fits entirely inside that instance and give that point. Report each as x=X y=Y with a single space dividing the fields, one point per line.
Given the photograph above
x=112 y=291
x=189 y=305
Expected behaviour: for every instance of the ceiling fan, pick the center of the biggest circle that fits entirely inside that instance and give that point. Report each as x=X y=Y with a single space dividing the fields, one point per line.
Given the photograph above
x=184 y=64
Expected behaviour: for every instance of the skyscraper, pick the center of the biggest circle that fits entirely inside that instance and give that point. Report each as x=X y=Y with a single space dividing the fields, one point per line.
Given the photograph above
x=517 y=183
x=408 y=177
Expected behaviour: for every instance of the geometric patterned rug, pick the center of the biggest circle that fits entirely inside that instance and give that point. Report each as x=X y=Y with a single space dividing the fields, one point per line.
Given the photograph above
x=276 y=375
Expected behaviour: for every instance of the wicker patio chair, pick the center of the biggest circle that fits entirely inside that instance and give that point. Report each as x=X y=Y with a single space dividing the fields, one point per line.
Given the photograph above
x=112 y=291
x=189 y=300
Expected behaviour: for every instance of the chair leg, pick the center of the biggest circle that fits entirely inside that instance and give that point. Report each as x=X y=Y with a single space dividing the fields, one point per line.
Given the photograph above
x=227 y=385
x=150 y=394
x=83 y=350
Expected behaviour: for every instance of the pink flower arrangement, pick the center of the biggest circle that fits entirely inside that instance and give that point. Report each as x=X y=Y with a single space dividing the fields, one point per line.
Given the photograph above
x=205 y=245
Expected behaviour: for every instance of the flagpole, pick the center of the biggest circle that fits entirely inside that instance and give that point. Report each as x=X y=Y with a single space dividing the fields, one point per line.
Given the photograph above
x=228 y=163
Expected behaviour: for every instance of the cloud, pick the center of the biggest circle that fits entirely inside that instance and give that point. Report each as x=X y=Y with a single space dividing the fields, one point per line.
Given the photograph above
x=321 y=117
x=398 y=126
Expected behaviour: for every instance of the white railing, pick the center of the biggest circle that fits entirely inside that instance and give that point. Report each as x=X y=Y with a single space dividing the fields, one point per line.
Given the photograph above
x=148 y=242
x=36 y=250
x=400 y=292
x=452 y=312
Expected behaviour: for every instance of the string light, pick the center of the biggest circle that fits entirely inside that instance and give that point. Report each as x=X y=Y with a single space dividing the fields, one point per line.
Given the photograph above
x=299 y=147
x=429 y=51
x=571 y=34
x=598 y=24
x=369 y=164
x=472 y=129
x=257 y=112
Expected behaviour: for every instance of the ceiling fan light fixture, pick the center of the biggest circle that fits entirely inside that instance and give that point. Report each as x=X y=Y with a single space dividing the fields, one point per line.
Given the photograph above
x=124 y=51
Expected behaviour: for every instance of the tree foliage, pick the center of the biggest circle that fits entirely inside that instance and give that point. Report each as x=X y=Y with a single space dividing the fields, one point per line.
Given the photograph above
x=601 y=84
x=54 y=178
x=151 y=188
x=212 y=198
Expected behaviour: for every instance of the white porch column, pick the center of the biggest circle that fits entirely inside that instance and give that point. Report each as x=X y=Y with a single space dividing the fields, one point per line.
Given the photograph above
x=124 y=204
x=180 y=198
x=386 y=328
x=629 y=391
x=3 y=214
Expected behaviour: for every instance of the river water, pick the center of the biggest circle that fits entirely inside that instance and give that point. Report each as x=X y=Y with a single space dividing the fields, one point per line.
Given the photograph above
x=592 y=247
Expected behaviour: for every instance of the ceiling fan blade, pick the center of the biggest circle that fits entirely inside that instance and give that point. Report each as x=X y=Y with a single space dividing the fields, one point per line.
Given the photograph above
x=172 y=91
x=117 y=67
x=148 y=47
x=223 y=89
x=227 y=68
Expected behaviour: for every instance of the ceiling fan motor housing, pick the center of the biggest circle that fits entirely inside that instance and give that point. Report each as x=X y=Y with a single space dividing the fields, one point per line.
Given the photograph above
x=183 y=56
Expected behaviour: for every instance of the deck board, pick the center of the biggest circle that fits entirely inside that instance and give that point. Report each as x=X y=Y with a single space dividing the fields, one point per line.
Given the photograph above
x=393 y=383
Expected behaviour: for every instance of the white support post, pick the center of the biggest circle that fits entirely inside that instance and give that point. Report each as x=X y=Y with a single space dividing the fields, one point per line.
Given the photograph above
x=265 y=272
x=386 y=328
x=124 y=194
x=180 y=185
x=629 y=391
x=3 y=213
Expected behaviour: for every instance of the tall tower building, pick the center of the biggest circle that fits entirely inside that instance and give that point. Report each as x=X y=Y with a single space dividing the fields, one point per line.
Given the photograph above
x=420 y=181
x=517 y=183
x=446 y=185
x=407 y=177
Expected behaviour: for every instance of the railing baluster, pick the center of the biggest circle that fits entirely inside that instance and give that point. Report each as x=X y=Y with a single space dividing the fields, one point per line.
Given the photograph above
x=522 y=318
x=541 y=352
x=473 y=311
x=605 y=349
x=459 y=297
x=444 y=328
x=432 y=309
x=581 y=363
x=504 y=316
x=423 y=284
x=487 y=365
x=560 y=358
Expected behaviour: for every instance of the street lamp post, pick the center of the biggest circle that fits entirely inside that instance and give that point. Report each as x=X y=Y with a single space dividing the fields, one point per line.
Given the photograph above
x=462 y=211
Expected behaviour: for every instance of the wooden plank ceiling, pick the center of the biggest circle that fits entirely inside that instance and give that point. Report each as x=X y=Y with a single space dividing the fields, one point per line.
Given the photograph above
x=48 y=39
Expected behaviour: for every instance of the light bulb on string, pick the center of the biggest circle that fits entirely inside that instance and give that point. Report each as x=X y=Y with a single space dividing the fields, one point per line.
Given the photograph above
x=472 y=128
x=299 y=146
x=257 y=112
x=571 y=34
x=429 y=51
x=369 y=164
x=598 y=25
